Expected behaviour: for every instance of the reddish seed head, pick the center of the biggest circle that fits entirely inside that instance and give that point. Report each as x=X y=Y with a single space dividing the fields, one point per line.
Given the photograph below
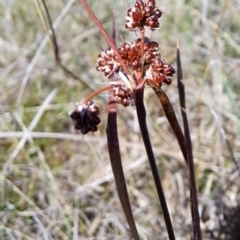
x=123 y=95
x=85 y=117
x=143 y=14
x=142 y=59
x=107 y=63
x=156 y=69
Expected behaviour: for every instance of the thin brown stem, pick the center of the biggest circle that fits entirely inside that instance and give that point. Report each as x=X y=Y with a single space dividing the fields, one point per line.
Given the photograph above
x=141 y=113
x=142 y=41
x=91 y=95
x=54 y=40
x=108 y=39
x=142 y=56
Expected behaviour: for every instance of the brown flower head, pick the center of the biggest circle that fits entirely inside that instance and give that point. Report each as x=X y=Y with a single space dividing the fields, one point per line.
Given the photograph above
x=156 y=70
x=107 y=63
x=131 y=53
x=159 y=72
x=85 y=117
x=123 y=95
x=143 y=14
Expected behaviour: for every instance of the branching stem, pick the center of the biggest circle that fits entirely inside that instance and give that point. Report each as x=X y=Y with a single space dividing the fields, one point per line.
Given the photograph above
x=91 y=95
x=108 y=39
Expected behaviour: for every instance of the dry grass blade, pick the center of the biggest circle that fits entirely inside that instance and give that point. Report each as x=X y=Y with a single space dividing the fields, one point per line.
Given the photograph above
x=30 y=128
x=223 y=134
x=56 y=52
x=170 y=114
x=38 y=53
x=141 y=113
x=31 y=203
x=193 y=189
x=13 y=233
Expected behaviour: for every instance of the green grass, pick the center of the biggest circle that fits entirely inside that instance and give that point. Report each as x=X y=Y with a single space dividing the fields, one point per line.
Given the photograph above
x=58 y=188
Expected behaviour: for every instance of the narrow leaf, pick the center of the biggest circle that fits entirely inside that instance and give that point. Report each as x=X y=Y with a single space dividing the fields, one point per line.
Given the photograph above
x=141 y=113
x=193 y=189
x=170 y=114
x=56 y=51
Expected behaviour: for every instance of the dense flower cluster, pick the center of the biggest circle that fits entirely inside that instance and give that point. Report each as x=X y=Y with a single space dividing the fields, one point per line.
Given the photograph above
x=85 y=117
x=155 y=69
x=141 y=57
x=131 y=53
x=123 y=95
x=143 y=14
x=159 y=72
x=107 y=63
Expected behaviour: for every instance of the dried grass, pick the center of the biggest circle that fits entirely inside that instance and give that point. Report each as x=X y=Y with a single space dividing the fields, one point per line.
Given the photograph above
x=59 y=185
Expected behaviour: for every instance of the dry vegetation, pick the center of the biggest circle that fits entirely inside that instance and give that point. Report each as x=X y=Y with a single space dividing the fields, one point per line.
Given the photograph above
x=57 y=184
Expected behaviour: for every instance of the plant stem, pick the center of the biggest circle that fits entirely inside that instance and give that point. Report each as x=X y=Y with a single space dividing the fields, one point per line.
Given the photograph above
x=96 y=92
x=115 y=158
x=141 y=113
x=142 y=41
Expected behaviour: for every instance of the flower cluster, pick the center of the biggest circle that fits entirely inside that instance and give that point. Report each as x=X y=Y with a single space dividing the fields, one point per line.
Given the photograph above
x=85 y=117
x=144 y=13
x=107 y=63
x=155 y=69
x=123 y=95
x=141 y=57
x=159 y=72
x=131 y=53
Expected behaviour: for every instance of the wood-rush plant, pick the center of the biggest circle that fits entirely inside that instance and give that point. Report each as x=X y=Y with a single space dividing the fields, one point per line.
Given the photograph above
x=129 y=68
